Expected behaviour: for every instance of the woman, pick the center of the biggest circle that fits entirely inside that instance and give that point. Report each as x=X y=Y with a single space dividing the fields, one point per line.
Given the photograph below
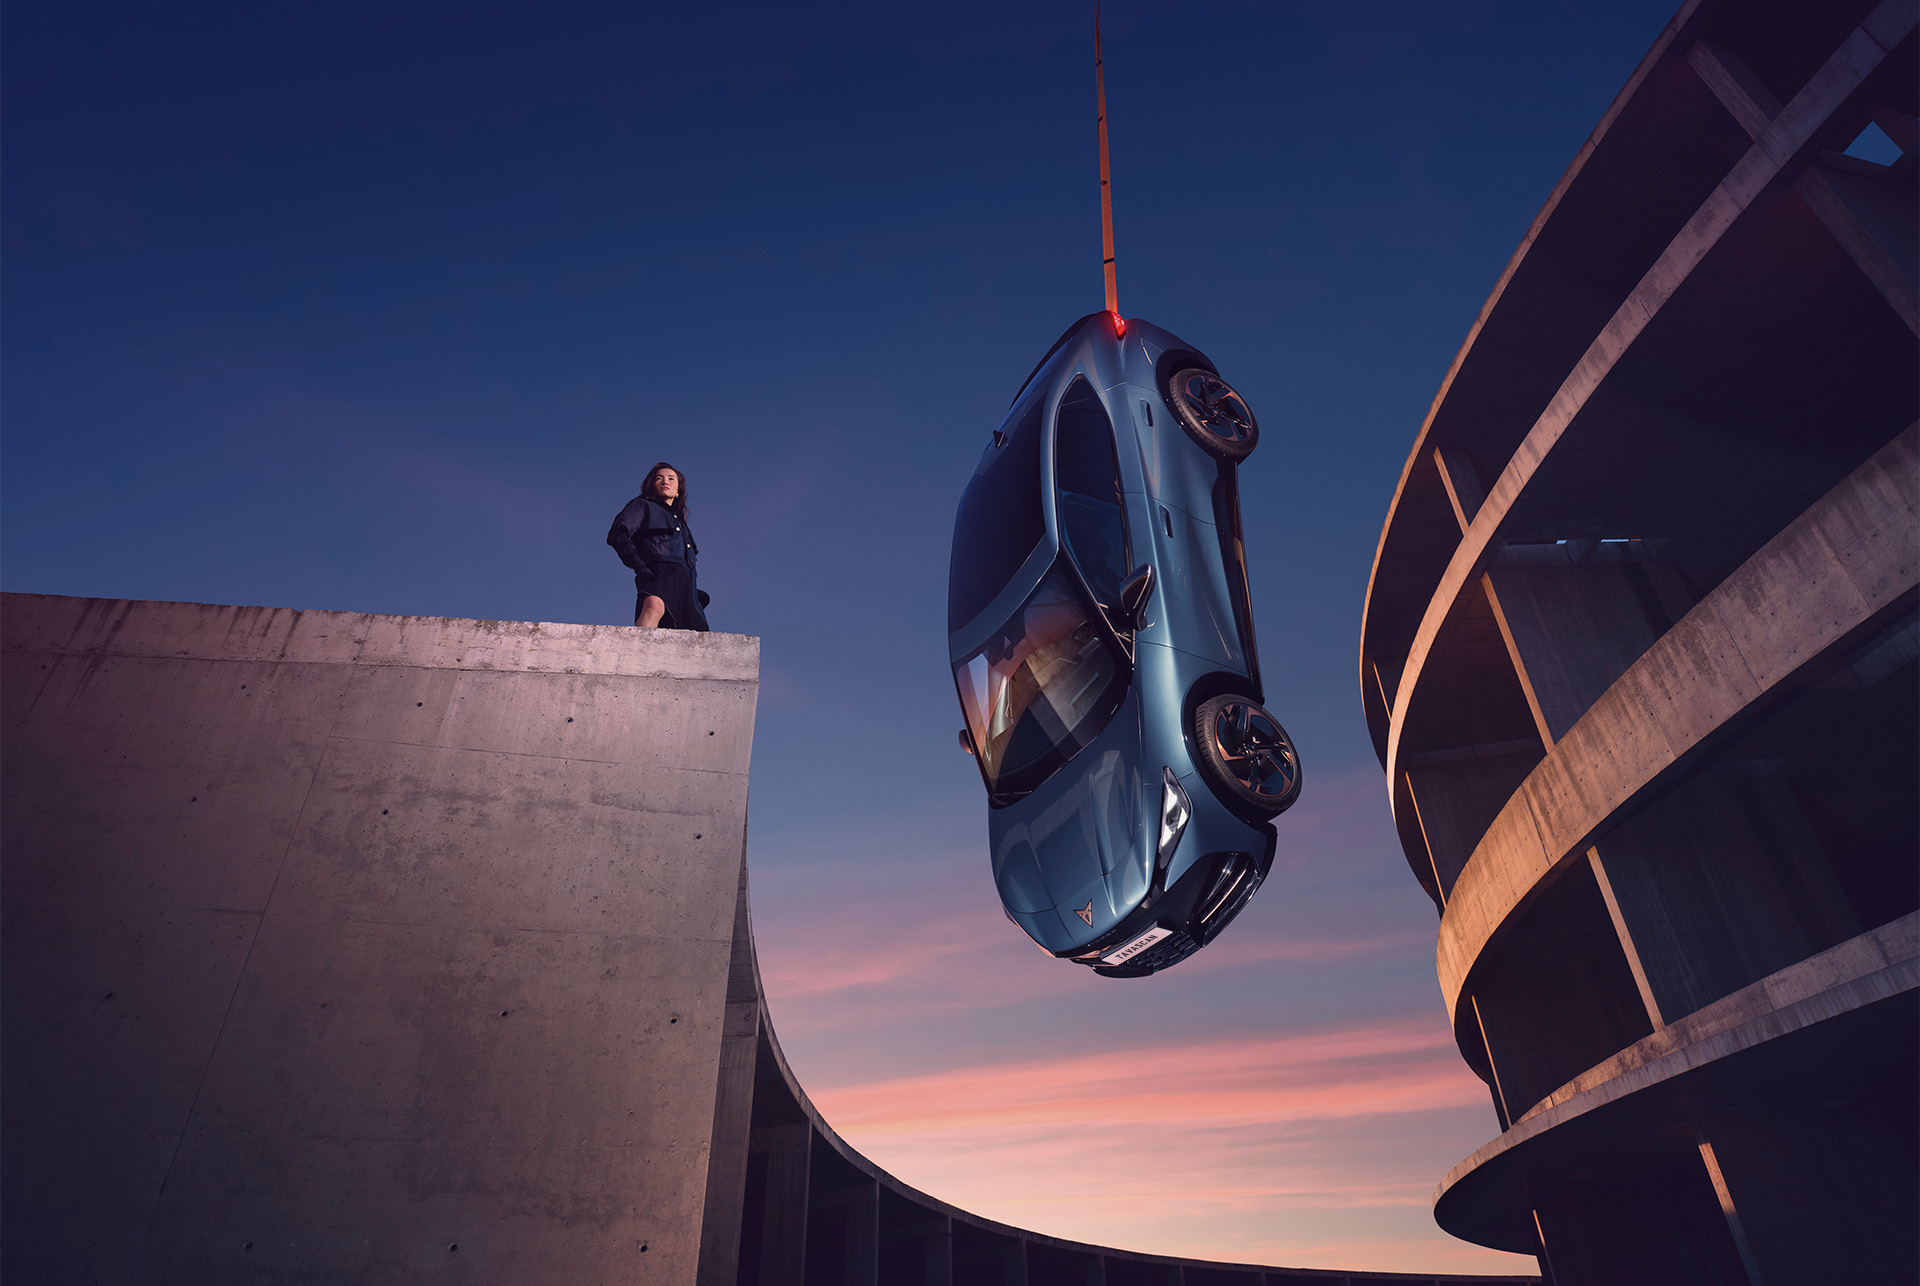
x=651 y=536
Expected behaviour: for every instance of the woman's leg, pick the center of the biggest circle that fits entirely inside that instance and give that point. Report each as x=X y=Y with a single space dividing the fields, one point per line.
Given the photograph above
x=652 y=608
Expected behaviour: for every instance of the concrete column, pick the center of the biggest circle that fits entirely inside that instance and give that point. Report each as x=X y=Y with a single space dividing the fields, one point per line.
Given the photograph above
x=733 y=1108
x=1047 y=1264
x=1574 y=614
x=1811 y=1187
x=1718 y=885
x=1658 y=1225
x=1559 y=997
x=783 y=1219
x=1456 y=795
x=1134 y=1272
x=936 y=1239
x=862 y=1248
x=1015 y=1273
x=1870 y=213
x=1575 y=620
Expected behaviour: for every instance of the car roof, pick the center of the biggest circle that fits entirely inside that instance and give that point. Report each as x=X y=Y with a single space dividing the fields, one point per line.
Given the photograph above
x=1058 y=344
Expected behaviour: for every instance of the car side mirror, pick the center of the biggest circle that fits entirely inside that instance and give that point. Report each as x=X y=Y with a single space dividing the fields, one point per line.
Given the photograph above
x=1134 y=594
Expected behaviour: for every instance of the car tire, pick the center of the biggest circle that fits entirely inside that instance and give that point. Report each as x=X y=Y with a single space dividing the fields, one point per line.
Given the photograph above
x=1246 y=756
x=1212 y=413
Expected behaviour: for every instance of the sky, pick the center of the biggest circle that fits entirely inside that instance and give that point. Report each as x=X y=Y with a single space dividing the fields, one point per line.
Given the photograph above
x=388 y=307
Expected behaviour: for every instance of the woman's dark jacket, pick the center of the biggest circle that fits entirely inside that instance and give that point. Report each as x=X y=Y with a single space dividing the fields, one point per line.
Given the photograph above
x=646 y=533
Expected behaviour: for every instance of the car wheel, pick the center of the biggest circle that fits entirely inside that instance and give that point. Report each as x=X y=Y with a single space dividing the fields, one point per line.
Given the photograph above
x=1213 y=414
x=1246 y=755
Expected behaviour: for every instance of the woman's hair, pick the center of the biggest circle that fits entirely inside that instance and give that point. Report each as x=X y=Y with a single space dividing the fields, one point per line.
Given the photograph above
x=679 y=504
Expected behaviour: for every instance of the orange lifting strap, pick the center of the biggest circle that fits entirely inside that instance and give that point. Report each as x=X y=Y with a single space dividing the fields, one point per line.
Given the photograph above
x=1106 y=187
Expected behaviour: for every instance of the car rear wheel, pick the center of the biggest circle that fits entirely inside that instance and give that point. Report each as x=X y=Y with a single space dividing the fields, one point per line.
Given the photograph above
x=1246 y=755
x=1212 y=413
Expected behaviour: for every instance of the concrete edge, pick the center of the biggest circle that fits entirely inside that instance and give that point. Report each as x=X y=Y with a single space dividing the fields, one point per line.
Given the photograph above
x=93 y=627
x=1790 y=134
x=1668 y=39
x=1734 y=649
x=1862 y=971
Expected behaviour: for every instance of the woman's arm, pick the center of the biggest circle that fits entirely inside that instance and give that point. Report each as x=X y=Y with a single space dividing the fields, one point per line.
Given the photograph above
x=629 y=522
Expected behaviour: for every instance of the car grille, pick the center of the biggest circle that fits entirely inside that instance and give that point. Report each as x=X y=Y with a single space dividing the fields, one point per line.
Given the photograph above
x=1231 y=891
x=1170 y=950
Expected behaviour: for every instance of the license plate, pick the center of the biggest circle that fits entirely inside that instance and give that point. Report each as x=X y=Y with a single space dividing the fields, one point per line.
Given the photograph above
x=1123 y=954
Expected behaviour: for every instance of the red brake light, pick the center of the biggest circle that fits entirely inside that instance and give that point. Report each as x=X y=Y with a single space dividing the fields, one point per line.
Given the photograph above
x=1119 y=325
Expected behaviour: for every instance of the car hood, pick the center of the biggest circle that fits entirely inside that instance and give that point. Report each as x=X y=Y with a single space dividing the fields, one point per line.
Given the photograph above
x=1078 y=844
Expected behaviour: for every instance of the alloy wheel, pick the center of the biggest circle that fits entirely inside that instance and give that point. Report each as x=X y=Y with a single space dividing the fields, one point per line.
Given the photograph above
x=1255 y=751
x=1216 y=407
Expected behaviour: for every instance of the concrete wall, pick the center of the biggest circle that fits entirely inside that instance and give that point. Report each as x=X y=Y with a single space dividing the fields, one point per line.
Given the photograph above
x=352 y=948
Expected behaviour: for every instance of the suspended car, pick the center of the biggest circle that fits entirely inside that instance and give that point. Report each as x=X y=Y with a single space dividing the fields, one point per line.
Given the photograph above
x=1102 y=644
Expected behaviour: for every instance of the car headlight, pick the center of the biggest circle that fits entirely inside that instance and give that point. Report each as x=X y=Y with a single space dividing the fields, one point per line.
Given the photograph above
x=1175 y=810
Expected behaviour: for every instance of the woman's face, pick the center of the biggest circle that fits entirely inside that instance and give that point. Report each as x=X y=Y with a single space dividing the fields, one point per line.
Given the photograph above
x=666 y=484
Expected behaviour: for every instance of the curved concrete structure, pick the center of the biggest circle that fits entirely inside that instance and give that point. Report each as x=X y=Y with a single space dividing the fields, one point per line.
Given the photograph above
x=366 y=948
x=1639 y=662
x=1670 y=1072
x=1842 y=562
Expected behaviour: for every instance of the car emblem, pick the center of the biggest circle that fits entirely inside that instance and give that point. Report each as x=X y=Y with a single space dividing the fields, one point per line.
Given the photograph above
x=1086 y=912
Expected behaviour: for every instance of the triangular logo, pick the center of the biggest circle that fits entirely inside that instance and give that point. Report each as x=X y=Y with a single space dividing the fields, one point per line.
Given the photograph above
x=1086 y=912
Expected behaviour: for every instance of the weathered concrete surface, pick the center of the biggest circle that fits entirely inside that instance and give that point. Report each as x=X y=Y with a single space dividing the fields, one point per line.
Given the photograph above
x=334 y=942
x=1787 y=137
x=1642 y=783
x=1864 y=972
x=1846 y=558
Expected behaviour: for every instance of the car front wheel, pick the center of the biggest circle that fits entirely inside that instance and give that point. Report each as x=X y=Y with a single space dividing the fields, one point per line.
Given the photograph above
x=1246 y=755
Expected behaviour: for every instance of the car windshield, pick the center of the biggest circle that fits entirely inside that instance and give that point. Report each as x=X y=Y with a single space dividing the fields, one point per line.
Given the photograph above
x=1043 y=687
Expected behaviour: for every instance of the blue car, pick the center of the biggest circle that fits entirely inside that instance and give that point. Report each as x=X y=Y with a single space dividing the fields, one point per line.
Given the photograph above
x=1102 y=643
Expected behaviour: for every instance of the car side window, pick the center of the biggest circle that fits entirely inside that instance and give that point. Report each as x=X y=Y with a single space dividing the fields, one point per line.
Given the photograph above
x=1087 y=478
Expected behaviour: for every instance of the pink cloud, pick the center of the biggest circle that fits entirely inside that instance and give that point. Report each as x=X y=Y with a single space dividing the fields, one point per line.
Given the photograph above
x=1386 y=1068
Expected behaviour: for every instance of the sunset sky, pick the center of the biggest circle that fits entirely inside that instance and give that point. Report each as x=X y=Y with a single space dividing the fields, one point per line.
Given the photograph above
x=387 y=307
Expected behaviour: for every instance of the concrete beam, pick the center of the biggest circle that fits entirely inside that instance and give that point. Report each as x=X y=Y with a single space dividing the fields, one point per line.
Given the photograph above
x=1791 y=135
x=1871 y=218
x=1849 y=979
x=1379 y=707
x=1842 y=561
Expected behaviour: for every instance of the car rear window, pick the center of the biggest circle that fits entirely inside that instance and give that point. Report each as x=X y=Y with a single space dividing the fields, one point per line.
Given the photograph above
x=1000 y=519
x=1087 y=474
x=1087 y=462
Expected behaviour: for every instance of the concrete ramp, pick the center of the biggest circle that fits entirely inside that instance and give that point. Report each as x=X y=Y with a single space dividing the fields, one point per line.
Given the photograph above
x=349 y=948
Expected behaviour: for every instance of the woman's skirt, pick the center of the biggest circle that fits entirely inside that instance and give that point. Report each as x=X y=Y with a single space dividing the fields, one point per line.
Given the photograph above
x=672 y=584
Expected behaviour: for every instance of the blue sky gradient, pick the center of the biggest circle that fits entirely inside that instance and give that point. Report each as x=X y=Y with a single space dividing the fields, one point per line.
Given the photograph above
x=388 y=307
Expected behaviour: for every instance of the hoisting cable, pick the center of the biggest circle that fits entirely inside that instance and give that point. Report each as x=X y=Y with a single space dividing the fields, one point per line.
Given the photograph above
x=1106 y=187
